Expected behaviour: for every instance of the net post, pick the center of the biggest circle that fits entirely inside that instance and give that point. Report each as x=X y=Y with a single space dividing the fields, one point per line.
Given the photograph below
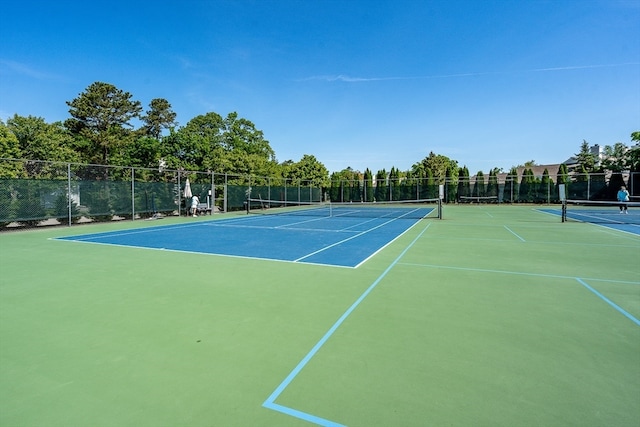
x=440 y=199
x=564 y=210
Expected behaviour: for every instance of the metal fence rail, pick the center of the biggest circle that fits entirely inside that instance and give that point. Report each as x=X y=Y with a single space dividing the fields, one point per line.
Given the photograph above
x=36 y=192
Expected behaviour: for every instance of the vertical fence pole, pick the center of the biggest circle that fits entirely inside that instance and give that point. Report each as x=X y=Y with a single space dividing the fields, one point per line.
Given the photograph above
x=69 y=191
x=133 y=195
x=225 y=193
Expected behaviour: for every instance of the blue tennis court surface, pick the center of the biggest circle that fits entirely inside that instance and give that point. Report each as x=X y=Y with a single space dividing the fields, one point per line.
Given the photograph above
x=610 y=218
x=336 y=241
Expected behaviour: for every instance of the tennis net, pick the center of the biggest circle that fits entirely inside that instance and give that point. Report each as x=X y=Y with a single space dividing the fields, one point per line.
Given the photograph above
x=602 y=212
x=478 y=199
x=402 y=209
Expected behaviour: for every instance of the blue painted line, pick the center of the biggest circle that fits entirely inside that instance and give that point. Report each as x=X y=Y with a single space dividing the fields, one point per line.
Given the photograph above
x=346 y=240
x=269 y=403
x=514 y=233
x=302 y=415
x=608 y=301
x=516 y=273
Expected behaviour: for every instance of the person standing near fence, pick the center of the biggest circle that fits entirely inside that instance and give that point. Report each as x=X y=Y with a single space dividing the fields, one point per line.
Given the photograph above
x=623 y=196
x=194 y=205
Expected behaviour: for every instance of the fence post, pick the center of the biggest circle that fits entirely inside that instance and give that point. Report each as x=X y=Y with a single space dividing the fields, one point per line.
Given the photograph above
x=133 y=194
x=69 y=191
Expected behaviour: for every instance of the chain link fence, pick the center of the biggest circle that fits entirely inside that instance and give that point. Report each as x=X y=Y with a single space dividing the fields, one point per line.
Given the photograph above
x=34 y=193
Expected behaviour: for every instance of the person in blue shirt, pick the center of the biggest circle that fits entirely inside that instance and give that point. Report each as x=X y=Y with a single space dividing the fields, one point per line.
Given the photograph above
x=623 y=196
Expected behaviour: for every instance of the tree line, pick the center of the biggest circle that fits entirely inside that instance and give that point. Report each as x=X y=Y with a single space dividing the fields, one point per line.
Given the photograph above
x=108 y=127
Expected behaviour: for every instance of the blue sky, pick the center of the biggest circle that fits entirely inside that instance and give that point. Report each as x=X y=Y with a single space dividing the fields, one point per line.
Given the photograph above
x=360 y=84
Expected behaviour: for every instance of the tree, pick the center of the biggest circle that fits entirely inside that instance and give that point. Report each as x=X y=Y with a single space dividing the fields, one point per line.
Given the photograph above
x=544 y=190
x=562 y=178
x=197 y=145
x=478 y=186
x=100 y=115
x=381 y=193
x=634 y=165
x=241 y=134
x=511 y=188
x=368 y=186
x=527 y=186
x=42 y=141
x=308 y=171
x=158 y=117
x=9 y=149
x=463 y=183
x=492 y=185
x=438 y=164
x=616 y=158
x=585 y=157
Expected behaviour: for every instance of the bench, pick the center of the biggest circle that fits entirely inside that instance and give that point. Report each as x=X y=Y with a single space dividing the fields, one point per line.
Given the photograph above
x=204 y=208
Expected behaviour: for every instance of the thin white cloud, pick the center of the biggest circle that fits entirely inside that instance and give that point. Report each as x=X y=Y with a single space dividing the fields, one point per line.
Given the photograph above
x=349 y=79
x=25 y=70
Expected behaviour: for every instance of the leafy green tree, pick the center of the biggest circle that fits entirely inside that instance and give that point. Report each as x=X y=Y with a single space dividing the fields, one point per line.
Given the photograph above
x=527 y=186
x=616 y=157
x=308 y=171
x=368 y=186
x=464 y=185
x=438 y=164
x=545 y=187
x=342 y=185
x=511 y=187
x=241 y=134
x=492 y=185
x=634 y=165
x=42 y=141
x=478 y=187
x=159 y=116
x=585 y=157
x=100 y=119
x=382 y=192
x=394 y=182
x=430 y=188
x=9 y=149
x=197 y=145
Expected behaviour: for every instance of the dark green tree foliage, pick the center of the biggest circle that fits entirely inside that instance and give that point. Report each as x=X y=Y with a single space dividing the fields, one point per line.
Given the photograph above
x=464 y=188
x=394 y=182
x=42 y=141
x=9 y=149
x=562 y=178
x=585 y=157
x=382 y=191
x=545 y=189
x=511 y=187
x=160 y=116
x=617 y=161
x=368 y=186
x=478 y=189
x=438 y=164
x=344 y=186
x=196 y=146
x=430 y=188
x=527 y=186
x=451 y=187
x=492 y=185
x=634 y=164
x=308 y=171
x=99 y=117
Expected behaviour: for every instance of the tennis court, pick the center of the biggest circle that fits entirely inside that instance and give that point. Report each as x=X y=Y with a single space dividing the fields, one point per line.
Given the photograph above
x=493 y=316
x=316 y=233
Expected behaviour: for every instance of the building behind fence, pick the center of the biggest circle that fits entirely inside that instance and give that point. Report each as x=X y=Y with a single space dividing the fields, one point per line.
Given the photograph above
x=40 y=192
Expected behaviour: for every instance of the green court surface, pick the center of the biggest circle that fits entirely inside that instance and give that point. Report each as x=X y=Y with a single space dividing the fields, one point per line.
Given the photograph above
x=493 y=316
